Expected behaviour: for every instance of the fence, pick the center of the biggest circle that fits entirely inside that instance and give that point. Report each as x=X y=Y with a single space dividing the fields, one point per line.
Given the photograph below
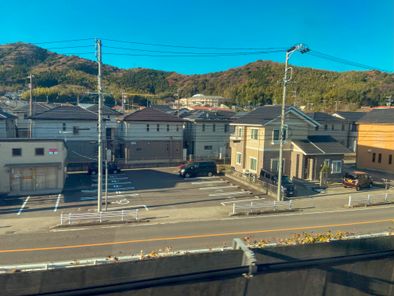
x=251 y=178
x=259 y=206
x=124 y=215
x=368 y=200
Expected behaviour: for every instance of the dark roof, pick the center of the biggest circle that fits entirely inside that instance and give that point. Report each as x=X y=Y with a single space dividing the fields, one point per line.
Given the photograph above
x=351 y=116
x=321 y=145
x=322 y=116
x=105 y=111
x=5 y=115
x=378 y=116
x=30 y=140
x=210 y=116
x=38 y=107
x=66 y=112
x=151 y=114
x=262 y=115
x=164 y=108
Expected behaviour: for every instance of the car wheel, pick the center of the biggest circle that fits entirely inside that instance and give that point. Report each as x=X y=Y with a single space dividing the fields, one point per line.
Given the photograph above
x=187 y=175
x=370 y=185
x=358 y=188
x=210 y=174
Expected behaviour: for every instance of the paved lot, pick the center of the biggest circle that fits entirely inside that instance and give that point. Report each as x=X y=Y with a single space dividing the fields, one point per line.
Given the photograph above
x=155 y=188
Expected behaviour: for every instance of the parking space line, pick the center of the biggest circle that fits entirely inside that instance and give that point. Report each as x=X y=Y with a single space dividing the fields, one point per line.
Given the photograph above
x=57 y=202
x=207 y=182
x=23 y=205
x=217 y=187
x=230 y=193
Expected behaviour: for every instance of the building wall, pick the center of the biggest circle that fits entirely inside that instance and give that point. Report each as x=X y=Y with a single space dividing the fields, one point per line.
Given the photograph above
x=7 y=128
x=30 y=173
x=53 y=129
x=131 y=131
x=374 y=147
x=340 y=131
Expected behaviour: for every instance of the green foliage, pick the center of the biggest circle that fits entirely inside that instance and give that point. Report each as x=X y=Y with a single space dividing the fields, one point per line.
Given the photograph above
x=65 y=77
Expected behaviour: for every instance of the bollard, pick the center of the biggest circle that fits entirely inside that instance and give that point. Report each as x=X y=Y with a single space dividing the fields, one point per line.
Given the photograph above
x=122 y=215
x=61 y=219
x=233 y=208
x=100 y=217
x=368 y=200
x=136 y=215
x=290 y=204
x=350 y=201
x=69 y=218
x=386 y=197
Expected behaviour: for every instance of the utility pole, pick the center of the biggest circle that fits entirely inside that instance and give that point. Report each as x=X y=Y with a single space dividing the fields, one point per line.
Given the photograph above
x=282 y=134
x=100 y=129
x=123 y=101
x=30 y=105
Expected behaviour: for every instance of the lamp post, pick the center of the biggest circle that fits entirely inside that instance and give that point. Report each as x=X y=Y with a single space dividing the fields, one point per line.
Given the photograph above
x=301 y=48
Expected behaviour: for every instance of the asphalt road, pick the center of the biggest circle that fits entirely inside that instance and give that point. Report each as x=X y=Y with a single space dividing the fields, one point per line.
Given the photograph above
x=100 y=241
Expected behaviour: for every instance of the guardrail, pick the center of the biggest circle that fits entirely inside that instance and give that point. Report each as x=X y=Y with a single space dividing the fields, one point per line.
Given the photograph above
x=259 y=206
x=370 y=199
x=124 y=215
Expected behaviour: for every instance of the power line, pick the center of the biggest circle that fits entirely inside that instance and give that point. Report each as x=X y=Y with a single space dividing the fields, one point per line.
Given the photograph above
x=195 y=47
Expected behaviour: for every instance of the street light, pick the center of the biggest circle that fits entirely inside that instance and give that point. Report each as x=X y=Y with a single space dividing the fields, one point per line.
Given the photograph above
x=302 y=49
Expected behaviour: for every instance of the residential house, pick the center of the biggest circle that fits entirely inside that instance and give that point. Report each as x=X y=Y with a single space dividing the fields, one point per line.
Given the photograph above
x=375 y=145
x=255 y=144
x=32 y=166
x=7 y=125
x=351 y=119
x=202 y=100
x=206 y=135
x=73 y=124
x=150 y=136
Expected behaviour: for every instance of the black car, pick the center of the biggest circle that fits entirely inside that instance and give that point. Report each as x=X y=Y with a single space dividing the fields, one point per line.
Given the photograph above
x=112 y=168
x=195 y=169
x=287 y=186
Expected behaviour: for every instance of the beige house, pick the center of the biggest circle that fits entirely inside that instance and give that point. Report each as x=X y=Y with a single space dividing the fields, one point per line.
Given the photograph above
x=255 y=144
x=32 y=166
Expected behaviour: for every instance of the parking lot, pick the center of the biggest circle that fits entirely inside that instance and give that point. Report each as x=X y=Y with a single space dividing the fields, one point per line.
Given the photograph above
x=155 y=188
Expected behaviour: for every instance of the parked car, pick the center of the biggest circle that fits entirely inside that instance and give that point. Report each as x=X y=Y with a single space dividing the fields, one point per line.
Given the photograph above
x=112 y=168
x=358 y=180
x=195 y=169
x=287 y=186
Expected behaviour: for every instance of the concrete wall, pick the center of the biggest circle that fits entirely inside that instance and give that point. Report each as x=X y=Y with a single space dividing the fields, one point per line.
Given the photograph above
x=316 y=273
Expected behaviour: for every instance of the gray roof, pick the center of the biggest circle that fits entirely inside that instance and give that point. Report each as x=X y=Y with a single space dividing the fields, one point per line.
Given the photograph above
x=219 y=116
x=38 y=107
x=105 y=111
x=164 y=108
x=351 y=116
x=265 y=114
x=378 y=116
x=66 y=112
x=321 y=145
x=322 y=116
x=5 y=115
x=151 y=114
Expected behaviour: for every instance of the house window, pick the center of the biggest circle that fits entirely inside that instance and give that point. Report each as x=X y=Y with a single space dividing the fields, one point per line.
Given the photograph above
x=275 y=135
x=325 y=127
x=75 y=130
x=226 y=128
x=203 y=127
x=380 y=157
x=39 y=151
x=16 y=151
x=147 y=127
x=275 y=163
x=254 y=134
x=158 y=127
x=332 y=127
x=168 y=127
x=214 y=127
x=207 y=147
x=390 y=159
x=177 y=128
x=343 y=126
x=253 y=164
x=64 y=127
x=239 y=131
x=316 y=128
x=239 y=158
x=373 y=157
x=336 y=167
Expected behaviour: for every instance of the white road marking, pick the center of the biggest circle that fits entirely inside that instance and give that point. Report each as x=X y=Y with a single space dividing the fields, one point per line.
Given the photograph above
x=230 y=193
x=217 y=187
x=23 y=205
x=57 y=202
x=112 y=183
x=207 y=182
x=69 y=229
x=88 y=198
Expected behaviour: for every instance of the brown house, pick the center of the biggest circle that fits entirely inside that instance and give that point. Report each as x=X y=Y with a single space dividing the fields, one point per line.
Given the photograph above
x=375 y=146
x=150 y=136
x=255 y=144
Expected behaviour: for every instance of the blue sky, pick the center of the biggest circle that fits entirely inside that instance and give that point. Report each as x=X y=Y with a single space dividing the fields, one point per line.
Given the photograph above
x=356 y=30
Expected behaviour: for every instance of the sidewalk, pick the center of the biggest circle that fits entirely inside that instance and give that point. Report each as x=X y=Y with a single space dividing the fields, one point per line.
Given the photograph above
x=329 y=201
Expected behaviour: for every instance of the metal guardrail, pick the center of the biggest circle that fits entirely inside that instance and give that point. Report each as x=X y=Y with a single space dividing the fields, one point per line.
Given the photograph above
x=258 y=206
x=370 y=199
x=124 y=215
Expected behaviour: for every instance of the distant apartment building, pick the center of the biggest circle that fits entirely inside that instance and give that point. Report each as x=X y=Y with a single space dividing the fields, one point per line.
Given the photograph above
x=206 y=135
x=32 y=166
x=255 y=144
x=73 y=124
x=375 y=146
x=150 y=136
x=7 y=125
x=202 y=100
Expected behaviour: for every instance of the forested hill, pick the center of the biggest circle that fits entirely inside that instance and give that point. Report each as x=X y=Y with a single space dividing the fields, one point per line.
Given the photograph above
x=62 y=78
